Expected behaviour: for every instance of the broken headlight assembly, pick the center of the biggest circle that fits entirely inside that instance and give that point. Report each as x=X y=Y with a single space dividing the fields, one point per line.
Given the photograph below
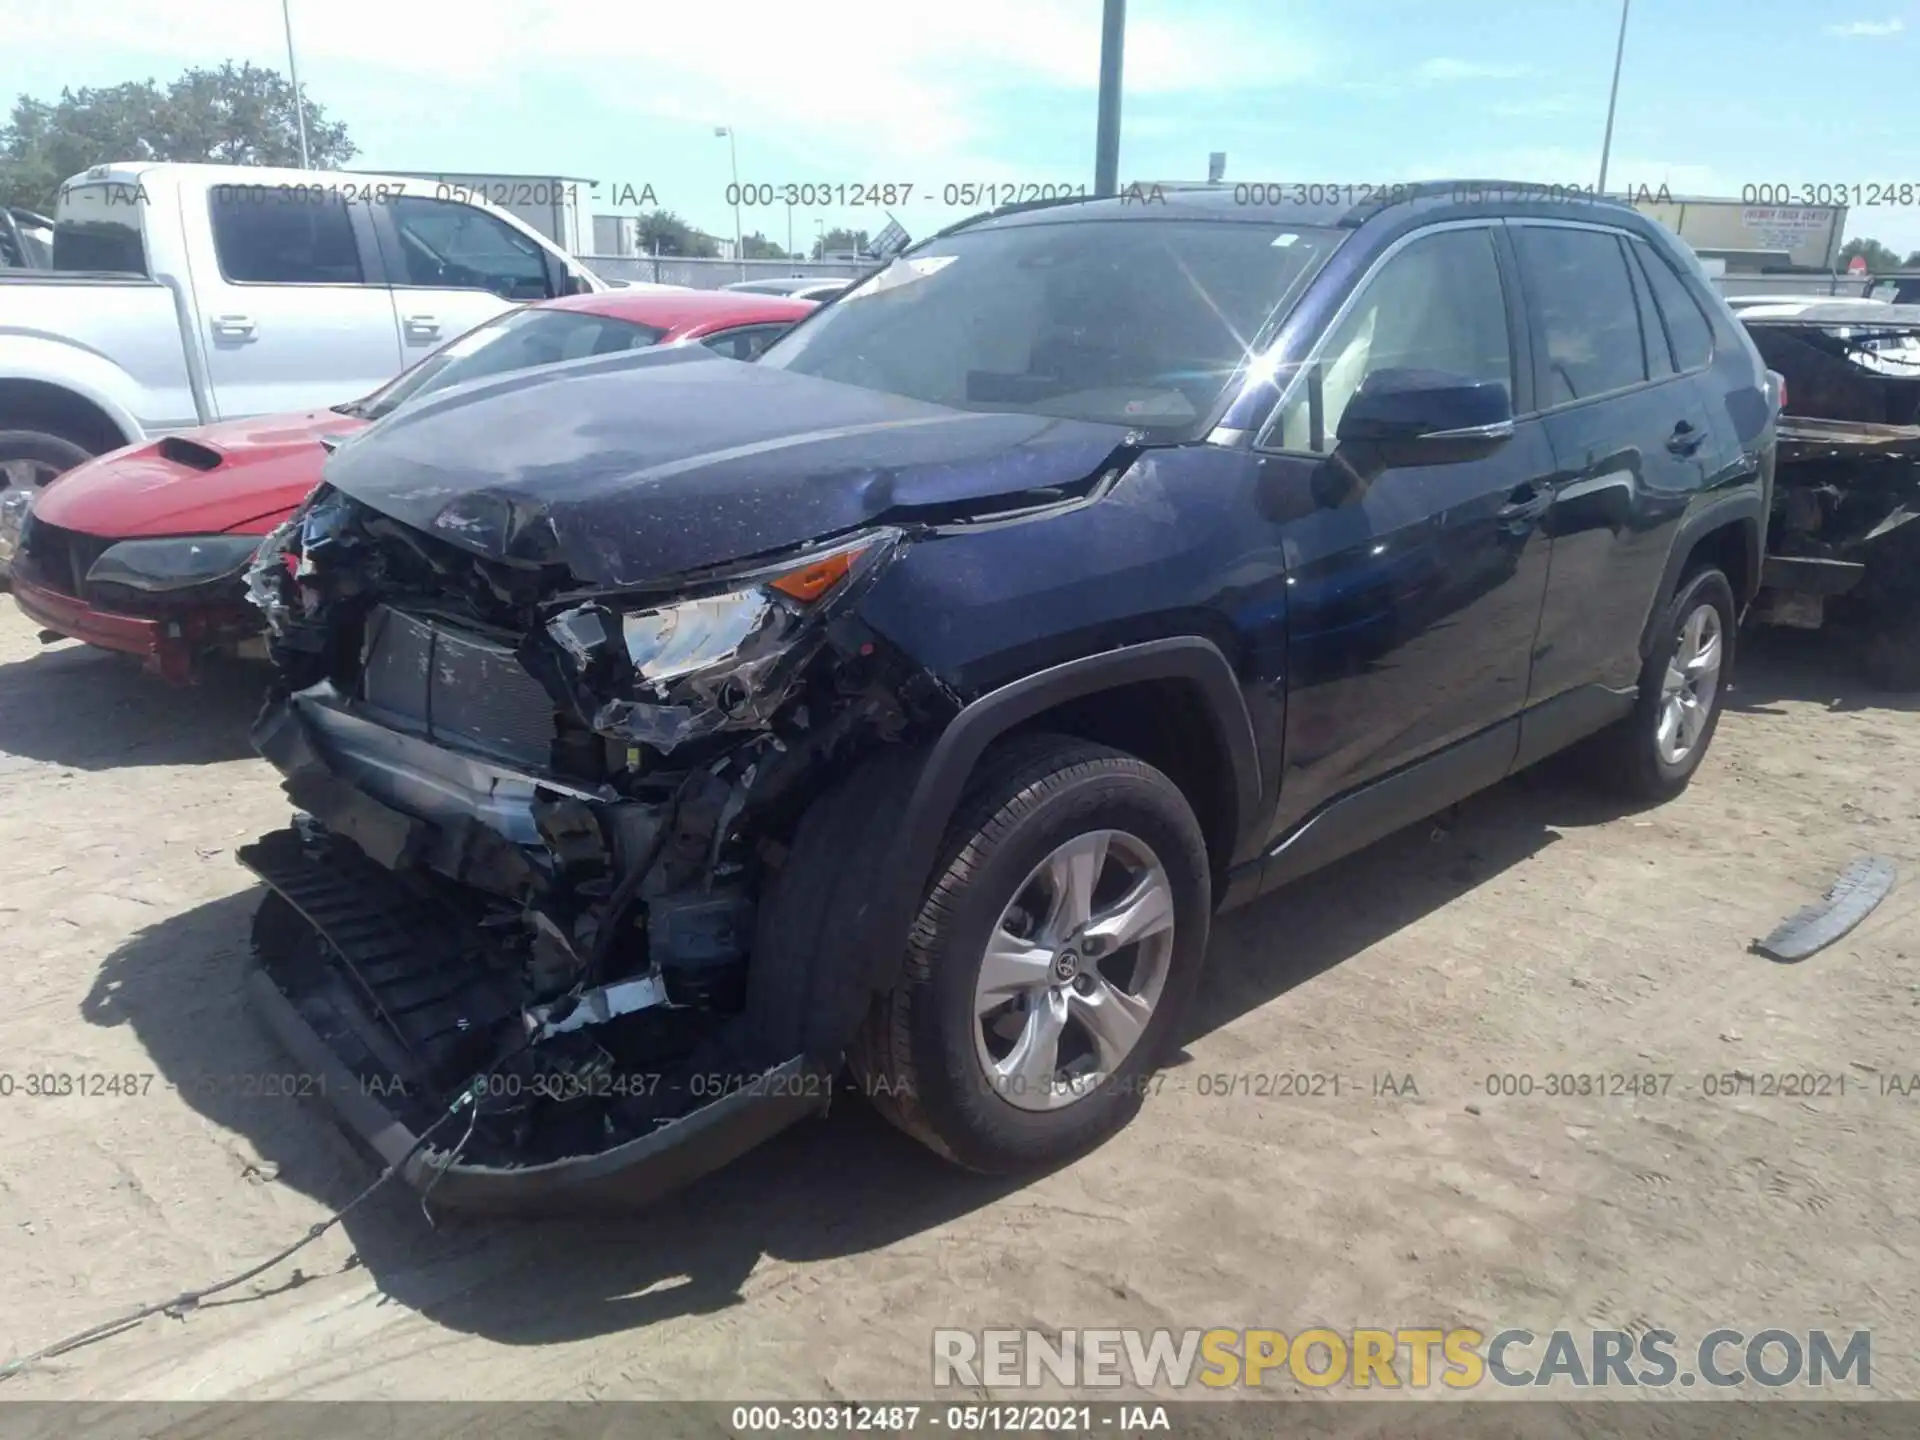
x=177 y=563
x=666 y=674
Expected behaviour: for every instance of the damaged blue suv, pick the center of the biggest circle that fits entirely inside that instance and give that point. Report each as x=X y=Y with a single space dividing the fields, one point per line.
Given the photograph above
x=671 y=733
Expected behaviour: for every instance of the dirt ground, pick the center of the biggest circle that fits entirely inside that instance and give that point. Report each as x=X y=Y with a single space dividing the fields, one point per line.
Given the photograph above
x=1536 y=930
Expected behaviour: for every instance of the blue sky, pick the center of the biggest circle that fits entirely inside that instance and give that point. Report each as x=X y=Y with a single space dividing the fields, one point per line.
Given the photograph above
x=1716 y=94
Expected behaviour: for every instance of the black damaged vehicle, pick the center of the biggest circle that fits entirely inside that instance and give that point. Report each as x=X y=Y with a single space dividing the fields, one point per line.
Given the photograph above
x=669 y=733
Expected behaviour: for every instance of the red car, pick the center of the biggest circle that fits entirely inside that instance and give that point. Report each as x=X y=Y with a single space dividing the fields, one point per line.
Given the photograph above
x=140 y=550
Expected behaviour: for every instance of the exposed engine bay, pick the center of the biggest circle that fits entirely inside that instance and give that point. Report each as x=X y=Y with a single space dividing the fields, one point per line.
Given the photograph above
x=537 y=815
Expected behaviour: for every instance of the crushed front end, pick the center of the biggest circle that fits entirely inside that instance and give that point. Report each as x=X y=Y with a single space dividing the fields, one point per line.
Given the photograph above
x=535 y=819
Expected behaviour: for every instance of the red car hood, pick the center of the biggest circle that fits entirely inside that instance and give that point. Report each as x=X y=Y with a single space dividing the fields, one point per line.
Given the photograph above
x=241 y=476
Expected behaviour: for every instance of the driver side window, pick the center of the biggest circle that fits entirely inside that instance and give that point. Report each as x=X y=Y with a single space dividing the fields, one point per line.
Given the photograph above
x=446 y=245
x=1437 y=305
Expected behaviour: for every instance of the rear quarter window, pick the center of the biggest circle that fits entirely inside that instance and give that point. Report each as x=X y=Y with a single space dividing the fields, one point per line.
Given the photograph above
x=99 y=227
x=1687 y=324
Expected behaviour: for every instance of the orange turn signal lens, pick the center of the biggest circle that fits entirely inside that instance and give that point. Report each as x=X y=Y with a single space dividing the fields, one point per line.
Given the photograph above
x=810 y=582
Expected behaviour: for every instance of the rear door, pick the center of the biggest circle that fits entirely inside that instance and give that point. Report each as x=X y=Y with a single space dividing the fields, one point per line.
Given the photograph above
x=292 y=311
x=1630 y=437
x=453 y=265
x=1413 y=592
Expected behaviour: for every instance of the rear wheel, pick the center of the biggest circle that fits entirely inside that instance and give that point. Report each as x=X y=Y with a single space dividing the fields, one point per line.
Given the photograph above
x=30 y=458
x=1050 y=962
x=1653 y=752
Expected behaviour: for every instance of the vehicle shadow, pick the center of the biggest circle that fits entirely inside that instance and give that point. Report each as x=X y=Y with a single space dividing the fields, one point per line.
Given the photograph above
x=91 y=710
x=1780 y=664
x=839 y=1186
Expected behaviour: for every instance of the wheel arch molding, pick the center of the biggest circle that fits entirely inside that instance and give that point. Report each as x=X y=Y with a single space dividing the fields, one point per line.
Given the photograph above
x=1189 y=661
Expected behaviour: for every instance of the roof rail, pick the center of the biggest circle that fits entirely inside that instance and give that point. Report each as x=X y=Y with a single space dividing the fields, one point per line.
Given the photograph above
x=1516 y=190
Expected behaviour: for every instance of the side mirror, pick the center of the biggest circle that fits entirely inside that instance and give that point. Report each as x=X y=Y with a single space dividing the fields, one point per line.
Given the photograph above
x=578 y=284
x=1427 y=417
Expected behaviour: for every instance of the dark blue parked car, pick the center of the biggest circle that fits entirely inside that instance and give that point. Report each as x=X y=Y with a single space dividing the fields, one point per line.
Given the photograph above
x=672 y=731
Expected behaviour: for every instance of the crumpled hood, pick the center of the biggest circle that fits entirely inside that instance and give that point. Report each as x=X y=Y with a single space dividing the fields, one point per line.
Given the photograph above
x=640 y=467
x=241 y=475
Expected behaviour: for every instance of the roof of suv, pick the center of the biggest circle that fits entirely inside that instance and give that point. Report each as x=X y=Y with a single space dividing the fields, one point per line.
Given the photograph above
x=1323 y=205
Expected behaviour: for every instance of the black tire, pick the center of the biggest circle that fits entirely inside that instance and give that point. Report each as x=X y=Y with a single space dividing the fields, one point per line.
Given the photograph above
x=916 y=1056
x=1627 y=757
x=50 y=454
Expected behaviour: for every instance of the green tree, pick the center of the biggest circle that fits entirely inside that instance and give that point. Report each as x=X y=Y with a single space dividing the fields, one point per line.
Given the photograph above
x=757 y=247
x=837 y=241
x=236 y=114
x=1912 y=261
x=664 y=233
x=1878 y=256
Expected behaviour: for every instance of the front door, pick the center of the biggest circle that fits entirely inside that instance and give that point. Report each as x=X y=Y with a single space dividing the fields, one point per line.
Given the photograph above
x=1413 y=592
x=453 y=265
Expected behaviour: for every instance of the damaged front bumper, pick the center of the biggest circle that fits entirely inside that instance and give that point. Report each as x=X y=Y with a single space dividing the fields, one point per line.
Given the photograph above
x=535 y=823
x=322 y=1005
x=375 y=1010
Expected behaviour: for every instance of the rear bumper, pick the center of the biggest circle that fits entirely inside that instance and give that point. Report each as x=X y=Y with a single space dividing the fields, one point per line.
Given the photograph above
x=169 y=647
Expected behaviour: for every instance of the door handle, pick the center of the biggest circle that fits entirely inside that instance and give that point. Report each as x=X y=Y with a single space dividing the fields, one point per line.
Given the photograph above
x=233 y=327
x=1527 y=502
x=421 y=327
x=1685 y=439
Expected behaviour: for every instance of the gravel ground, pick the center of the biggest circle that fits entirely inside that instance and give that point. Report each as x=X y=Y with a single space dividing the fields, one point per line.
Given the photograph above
x=1536 y=930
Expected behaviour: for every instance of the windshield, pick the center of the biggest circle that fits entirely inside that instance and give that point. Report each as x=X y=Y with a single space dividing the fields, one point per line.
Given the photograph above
x=1136 y=322
x=517 y=340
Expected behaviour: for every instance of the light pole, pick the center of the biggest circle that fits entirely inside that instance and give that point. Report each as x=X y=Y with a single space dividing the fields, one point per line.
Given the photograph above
x=733 y=158
x=1106 y=142
x=293 y=74
x=1613 y=95
x=789 y=229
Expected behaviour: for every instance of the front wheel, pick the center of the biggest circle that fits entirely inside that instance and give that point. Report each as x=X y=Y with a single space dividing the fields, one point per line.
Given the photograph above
x=1051 y=960
x=1653 y=752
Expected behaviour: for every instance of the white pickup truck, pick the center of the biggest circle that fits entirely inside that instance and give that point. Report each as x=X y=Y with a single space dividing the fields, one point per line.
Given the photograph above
x=184 y=294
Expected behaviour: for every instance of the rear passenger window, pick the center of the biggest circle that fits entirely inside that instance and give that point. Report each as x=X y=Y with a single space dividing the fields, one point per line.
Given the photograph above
x=1578 y=287
x=268 y=236
x=1687 y=324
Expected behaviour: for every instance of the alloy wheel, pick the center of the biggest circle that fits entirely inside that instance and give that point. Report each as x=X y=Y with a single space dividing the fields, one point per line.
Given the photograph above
x=1073 y=970
x=1691 y=685
x=25 y=474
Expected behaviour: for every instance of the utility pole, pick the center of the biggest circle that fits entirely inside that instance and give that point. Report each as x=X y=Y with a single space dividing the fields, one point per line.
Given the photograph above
x=1613 y=95
x=293 y=74
x=733 y=157
x=1106 y=144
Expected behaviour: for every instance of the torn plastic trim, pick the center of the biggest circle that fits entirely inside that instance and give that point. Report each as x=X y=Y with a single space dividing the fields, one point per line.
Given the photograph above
x=633 y=1173
x=595 y=1007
